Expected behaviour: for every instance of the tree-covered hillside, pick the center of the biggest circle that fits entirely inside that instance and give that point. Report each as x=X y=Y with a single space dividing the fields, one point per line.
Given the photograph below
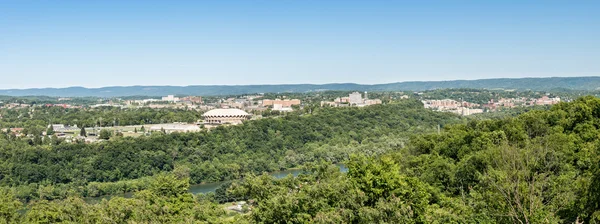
x=53 y=170
x=538 y=167
x=569 y=83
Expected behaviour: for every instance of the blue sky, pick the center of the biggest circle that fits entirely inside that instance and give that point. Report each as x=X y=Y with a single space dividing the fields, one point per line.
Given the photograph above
x=122 y=43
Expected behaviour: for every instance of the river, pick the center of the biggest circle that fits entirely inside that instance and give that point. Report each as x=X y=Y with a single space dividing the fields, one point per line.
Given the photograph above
x=211 y=187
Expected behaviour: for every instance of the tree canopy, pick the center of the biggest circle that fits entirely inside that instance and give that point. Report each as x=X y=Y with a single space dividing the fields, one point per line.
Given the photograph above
x=541 y=166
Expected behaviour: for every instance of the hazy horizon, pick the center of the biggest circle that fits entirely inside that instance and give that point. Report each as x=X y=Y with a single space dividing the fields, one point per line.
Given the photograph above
x=275 y=84
x=140 y=43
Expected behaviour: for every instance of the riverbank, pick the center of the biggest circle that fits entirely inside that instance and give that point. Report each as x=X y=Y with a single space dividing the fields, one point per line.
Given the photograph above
x=205 y=188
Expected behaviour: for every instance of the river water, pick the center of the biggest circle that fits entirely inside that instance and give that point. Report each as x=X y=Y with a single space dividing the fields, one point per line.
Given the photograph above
x=211 y=187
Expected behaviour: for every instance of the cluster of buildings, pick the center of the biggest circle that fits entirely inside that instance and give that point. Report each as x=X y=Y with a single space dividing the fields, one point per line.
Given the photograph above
x=239 y=103
x=211 y=119
x=453 y=106
x=281 y=104
x=170 y=101
x=353 y=99
x=545 y=100
x=448 y=104
x=255 y=103
x=519 y=102
x=106 y=105
x=15 y=106
x=467 y=108
x=175 y=127
x=189 y=100
x=16 y=131
x=170 y=98
x=62 y=105
x=22 y=105
x=141 y=102
x=61 y=128
x=247 y=103
x=192 y=99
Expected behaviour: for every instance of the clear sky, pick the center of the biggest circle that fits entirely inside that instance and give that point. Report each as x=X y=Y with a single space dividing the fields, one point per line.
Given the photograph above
x=121 y=43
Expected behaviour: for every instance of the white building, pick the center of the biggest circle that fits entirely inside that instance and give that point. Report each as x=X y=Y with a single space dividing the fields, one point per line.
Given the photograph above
x=280 y=107
x=225 y=116
x=175 y=127
x=355 y=98
x=170 y=98
x=464 y=111
x=57 y=126
x=61 y=128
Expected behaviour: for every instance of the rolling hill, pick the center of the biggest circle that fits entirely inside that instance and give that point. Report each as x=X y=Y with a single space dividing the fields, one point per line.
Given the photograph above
x=573 y=83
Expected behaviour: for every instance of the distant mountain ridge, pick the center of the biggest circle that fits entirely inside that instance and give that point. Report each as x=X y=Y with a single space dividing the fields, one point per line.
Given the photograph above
x=573 y=83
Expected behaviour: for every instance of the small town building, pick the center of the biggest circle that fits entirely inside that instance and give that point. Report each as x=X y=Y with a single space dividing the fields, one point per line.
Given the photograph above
x=353 y=99
x=280 y=108
x=192 y=99
x=175 y=127
x=283 y=103
x=170 y=98
x=61 y=128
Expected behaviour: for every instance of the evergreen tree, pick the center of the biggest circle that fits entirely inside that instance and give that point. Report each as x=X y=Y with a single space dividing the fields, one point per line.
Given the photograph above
x=50 y=130
x=82 y=133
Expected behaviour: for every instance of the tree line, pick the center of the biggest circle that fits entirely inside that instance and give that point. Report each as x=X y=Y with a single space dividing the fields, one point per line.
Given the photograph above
x=537 y=167
x=55 y=171
x=36 y=120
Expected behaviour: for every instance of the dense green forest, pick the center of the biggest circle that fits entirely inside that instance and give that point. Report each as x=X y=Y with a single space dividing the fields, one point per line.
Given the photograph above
x=539 y=167
x=542 y=166
x=58 y=170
